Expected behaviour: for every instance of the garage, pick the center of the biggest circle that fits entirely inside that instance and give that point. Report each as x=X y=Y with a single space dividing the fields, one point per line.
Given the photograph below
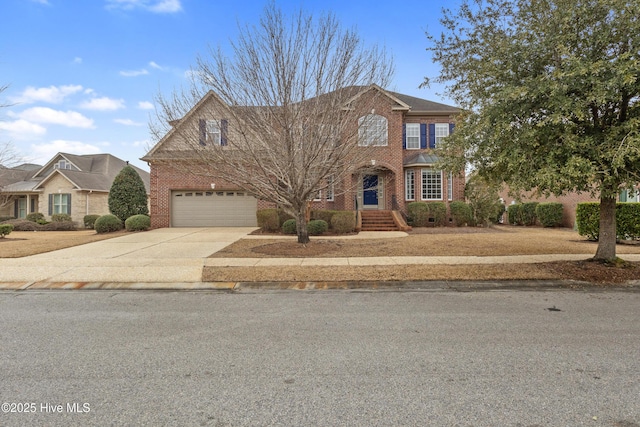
x=213 y=209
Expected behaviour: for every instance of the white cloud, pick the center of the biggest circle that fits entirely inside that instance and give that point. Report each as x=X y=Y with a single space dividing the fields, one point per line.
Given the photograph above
x=77 y=60
x=153 y=64
x=134 y=73
x=51 y=94
x=128 y=122
x=42 y=153
x=22 y=129
x=48 y=115
x=145 y=105
x=155 y=6
x=103 y=104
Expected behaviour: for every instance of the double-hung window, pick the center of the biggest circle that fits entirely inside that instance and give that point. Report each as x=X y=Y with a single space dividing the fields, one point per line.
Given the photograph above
x=413 y=136
x=431 y=184
x=442 y=131
x=213 y=132
x=409 y=184
x=372 y=130
x=60 y=203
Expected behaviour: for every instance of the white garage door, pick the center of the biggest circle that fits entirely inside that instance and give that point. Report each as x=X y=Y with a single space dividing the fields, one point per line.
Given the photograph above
x=213 y=209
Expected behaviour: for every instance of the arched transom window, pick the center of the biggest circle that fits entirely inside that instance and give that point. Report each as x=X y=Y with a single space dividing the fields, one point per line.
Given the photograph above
x=372 y=130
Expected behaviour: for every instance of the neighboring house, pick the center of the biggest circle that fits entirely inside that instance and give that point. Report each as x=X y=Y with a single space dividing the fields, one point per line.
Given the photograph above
x=400 y=171
x=68 y=183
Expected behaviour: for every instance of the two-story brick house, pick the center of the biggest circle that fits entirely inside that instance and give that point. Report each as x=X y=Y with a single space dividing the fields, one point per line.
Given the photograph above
x=403 y=130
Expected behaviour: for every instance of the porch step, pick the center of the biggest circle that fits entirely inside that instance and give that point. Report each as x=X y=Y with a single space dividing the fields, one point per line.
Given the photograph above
x=378 y=221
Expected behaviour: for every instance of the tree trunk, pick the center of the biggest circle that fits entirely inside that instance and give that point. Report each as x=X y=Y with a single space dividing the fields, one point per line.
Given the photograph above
x=301 y=225
x=607 y=237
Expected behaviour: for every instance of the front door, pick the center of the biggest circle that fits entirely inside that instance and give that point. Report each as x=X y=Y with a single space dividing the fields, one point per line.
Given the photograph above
x=370 y=191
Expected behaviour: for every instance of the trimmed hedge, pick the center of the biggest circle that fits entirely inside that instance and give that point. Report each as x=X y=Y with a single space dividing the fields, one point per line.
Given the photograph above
x=137 y=223
x=315 y=227
x=627 y=220
x=107 y=224
x=343 y=222
x=529 y=213
x=268 y=220
x=24 y=225
x=59 y=226
x=461 y=213
x=283 y=217
x=61 y=217
x=89 y=220
x=5 y=229
x=514 y=214
x=549 y=214
x=423 y=214
x=6 y=218
x=289 y=227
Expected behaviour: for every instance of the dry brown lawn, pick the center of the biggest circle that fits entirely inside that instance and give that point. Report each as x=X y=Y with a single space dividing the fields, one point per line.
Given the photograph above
x=24 y=243
x=502 y=240
x=496 y=241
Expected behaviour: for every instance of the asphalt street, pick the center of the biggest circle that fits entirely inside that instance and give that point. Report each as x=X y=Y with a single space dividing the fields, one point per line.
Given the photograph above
x=325 y=358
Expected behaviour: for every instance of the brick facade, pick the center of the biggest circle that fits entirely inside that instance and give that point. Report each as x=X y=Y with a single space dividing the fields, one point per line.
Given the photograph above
x=387 y=162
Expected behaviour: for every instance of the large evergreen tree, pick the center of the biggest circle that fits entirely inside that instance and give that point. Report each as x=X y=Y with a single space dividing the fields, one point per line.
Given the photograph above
x=551 y=90
x=128 y=195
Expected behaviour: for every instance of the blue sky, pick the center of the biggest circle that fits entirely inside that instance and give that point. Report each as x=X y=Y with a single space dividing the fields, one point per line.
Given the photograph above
x=83 y=74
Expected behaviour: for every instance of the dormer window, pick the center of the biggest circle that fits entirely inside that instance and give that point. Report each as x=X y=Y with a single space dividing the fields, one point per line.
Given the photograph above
x=62 y=164
x=213 y=132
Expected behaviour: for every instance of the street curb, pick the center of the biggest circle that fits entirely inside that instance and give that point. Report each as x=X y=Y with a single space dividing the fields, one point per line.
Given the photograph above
x=363 y=286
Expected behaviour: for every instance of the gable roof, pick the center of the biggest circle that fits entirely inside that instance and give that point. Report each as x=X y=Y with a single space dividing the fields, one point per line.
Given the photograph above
x=93 y=172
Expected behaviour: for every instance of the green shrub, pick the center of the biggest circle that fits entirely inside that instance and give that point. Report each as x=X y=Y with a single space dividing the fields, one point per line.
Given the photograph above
x=59 y=226
x=529 y=213
x=36 y=217
x=5 y=229
x=460 y=213
x=128 y=196
x=514 y=214
x=588 y=220
x=315 y=227
x=107 y=224
x=268 y=220
x=627 y=220
x=484 y=200
x=6 y=218
x=549 y=214
x=343 y=222
x=289 y=227
x=422 y=214
x=61 y=217
x=89 y=220
x=137 y=223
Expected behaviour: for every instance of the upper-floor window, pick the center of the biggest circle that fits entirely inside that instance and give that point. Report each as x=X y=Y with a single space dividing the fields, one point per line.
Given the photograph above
x=62 y=164
x=441 y=131
x=213 y=132
x=372 y=130
x=413 y=136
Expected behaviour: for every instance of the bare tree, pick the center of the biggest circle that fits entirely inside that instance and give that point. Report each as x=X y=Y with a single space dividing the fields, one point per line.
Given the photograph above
x=291 y=102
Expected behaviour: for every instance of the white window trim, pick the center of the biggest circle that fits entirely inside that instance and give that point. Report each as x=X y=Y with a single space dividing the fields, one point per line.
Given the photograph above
x=373 y=131
x=410 y=192
x=423 y=187
x=415 y=134
x=450 y=186
x=60 y=203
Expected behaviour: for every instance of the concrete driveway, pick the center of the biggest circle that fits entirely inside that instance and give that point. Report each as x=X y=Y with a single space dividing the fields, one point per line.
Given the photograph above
x=162 y=255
